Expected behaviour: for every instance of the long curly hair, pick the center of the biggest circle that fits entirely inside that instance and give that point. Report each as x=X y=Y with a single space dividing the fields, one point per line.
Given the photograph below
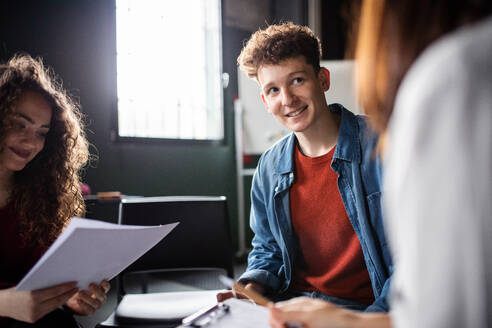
x=46 y=193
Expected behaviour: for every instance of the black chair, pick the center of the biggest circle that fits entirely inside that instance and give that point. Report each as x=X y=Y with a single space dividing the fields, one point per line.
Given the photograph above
x=185 y=265
x=101 y=209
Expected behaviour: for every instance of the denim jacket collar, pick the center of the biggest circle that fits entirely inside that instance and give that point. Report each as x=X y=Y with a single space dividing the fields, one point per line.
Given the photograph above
x=348 y=146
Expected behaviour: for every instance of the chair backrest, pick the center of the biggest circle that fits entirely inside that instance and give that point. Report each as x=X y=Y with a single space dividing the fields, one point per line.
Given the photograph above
x=201 y=239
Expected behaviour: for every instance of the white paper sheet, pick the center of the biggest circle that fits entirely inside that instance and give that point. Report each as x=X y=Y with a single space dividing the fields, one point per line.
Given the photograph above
x=90 y=251
x=166 y=305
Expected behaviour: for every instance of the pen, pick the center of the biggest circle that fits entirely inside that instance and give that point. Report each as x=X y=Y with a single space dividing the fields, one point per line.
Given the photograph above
x=205 y=316
x=256 y=297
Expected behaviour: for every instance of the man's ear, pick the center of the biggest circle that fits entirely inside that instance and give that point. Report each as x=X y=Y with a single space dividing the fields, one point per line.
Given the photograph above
x=265 y=102
x=324 y=78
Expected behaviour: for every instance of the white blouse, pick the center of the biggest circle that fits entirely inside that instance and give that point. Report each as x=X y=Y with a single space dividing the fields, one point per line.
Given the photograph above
x=438 y=185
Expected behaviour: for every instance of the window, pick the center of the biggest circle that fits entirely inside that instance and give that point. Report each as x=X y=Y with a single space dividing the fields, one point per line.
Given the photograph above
x=169 y=69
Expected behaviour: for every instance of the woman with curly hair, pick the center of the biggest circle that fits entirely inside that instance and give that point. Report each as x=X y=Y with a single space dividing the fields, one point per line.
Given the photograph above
x=42 y=149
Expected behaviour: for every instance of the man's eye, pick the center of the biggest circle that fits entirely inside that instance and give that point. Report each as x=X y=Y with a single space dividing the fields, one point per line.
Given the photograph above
x=298 y=80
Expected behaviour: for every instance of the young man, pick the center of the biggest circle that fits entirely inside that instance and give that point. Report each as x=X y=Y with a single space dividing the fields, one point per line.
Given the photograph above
x=316 y=197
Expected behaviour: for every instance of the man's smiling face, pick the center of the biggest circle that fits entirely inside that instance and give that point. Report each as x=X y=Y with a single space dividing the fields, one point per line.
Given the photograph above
x=293 y=92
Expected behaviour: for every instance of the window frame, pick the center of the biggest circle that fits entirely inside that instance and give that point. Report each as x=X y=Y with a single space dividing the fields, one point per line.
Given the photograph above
x=114 y=129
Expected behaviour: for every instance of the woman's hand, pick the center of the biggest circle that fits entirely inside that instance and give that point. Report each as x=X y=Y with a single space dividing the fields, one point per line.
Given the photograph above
x=309 y=313
x=30 y=306
x=86 y=302
x=316 y=313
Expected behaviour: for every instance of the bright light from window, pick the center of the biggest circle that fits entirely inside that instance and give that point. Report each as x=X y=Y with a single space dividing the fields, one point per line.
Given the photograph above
x=169 y=69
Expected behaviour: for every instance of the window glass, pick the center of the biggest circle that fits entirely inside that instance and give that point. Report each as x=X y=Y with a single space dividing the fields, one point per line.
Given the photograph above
x=169 y=69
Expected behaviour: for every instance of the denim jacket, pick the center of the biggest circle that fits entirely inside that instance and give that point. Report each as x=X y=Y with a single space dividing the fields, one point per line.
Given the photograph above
x=275 y=244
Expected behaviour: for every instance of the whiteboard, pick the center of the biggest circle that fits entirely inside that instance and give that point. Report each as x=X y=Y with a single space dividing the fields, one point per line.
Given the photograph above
x=261 y=130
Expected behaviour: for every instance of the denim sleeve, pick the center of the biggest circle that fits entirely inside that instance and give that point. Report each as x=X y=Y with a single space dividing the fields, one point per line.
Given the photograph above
x=381 y=303
x=265 y=259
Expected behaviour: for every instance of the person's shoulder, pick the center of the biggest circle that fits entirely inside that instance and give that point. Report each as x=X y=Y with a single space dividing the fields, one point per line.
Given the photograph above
x=273 y=155
x=470 y=45
x=464 y=52
x=362 y=121
x=356 y=129
x=450 y=79
x=279 y=146
x=367 y=135
x=348 y=114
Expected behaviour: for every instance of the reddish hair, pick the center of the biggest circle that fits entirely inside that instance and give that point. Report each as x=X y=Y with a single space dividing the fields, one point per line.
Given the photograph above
x=392 y=34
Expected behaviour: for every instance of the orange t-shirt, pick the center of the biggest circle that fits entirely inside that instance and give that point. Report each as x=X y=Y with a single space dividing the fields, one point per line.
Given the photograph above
x=330 y=259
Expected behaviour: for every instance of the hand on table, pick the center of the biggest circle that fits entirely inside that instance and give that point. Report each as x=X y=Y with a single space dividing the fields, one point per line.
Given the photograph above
x=30 y=306
x=86 y=302
x=222 y=296
x=308 y=313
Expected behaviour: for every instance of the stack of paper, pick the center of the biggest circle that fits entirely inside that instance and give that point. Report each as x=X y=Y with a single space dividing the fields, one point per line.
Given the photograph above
x=90 y=251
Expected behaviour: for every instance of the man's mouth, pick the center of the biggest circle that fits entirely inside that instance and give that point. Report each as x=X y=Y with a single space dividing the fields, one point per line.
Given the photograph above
x=20 y=152
x=297 y=112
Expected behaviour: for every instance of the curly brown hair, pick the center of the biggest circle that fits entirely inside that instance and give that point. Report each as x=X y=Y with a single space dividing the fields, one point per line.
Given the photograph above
x=277 y=43
x=46 y=193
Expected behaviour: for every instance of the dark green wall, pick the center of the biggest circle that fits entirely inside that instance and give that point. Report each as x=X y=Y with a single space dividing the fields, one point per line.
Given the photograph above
x=77 y=39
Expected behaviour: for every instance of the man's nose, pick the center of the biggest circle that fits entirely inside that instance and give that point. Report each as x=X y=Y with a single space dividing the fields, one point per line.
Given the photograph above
x=288 y=98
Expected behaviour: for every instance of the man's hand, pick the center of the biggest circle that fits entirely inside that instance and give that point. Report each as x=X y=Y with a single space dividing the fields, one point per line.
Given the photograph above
x=87 y=302
x=30 y=306
x=222 y=296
